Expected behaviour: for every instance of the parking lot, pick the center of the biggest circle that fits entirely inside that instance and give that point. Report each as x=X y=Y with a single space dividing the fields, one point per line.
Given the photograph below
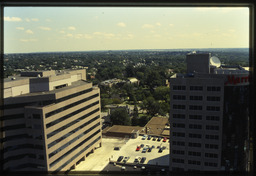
x=153 y=157
x=101 y=157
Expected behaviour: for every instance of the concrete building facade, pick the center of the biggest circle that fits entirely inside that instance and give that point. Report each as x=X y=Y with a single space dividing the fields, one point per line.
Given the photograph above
x=51 y=120
x=204 y=118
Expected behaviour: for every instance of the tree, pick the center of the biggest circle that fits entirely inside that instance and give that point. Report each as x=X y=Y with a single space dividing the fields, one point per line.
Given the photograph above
x=120 y=117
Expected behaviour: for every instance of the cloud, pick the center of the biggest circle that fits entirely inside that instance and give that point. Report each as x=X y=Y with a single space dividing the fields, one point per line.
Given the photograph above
x=106 y=35
x=28 y=40
x=48 y=20
x=45 y=28
x=12 y=19
x=34 y=19
x=148 y=26
x=171 y=25
x=29 y=31
x=27 y=20
x=69 y=35
x=232 y=30
x=87 y=36
x=72 y=28
x=79 y=36
x=62 y=32
x=158 y=24
x=121 y=24
x=20 y=28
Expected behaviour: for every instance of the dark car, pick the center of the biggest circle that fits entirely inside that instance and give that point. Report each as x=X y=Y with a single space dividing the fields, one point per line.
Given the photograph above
x=120 y=158
x=143 y=159
x=149 y=150
x=117 y=148
x=160 y=150
x=159 y=139
x=141 y=145
x=154 y=138
x=149 y=137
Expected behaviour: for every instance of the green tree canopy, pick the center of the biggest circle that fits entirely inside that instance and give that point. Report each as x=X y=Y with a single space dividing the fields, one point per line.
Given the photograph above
x=120 y=117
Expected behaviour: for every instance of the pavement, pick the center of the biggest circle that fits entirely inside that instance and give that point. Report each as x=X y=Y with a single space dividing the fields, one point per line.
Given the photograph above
x=100 y=159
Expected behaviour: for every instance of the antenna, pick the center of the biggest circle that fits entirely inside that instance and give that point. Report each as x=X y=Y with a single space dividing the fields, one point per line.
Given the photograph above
x=214 y=61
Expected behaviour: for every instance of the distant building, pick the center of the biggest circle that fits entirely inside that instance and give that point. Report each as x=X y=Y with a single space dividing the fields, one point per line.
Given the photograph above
x=133 y=81
x=122 y=131
x=51 y=120
x=209 y=116
x=111 y=82
x=157 y=126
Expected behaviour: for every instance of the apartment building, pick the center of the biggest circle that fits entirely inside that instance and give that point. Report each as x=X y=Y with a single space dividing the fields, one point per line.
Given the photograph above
x=208 y=116
x=51 y=120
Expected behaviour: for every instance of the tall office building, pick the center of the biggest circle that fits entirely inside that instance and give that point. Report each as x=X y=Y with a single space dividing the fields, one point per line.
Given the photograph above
x=208 y=116
x=51 y=120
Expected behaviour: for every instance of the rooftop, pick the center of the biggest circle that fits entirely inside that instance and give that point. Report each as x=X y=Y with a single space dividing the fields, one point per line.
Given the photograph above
x=157 y=126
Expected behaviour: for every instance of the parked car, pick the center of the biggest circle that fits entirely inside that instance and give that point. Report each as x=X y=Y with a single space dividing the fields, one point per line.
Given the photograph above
x=149 y=137
x=138 y=148
x=137 y=160
x=143 y=159
x=116 y=148
x=126 y=159
x=149 y=150
x=154 y=138
x=144 y=150
x=160 y=150
x=163 y=147
x=143 y=138
x=164 y=140
x=159 y=139
x=141 y=145
x=153 y=146
x=120 y=158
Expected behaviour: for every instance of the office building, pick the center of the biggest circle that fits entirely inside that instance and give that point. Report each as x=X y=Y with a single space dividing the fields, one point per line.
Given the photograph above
x=208 y=116
x=51 y=120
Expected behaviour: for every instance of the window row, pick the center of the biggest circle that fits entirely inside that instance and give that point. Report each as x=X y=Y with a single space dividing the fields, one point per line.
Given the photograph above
x=73 y=149
x=49 y=114
x=196 y=107
x=197 y=88
x=71 y=123
x=48 y=125
x=196 y=117
x=74 y=139
x=178 y=134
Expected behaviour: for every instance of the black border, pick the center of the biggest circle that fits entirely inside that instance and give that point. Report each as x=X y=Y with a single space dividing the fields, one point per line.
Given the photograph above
x=141 y=3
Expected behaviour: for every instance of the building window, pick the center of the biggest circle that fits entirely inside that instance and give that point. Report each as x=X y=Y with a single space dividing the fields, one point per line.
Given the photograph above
x=179 y=87
x=179 y=97
x=178 y=143
x=178 y=152
x=213 y=118
x=210 y=164
x=211 y=155
x=191 y=144
x=213 y=88
x=191 y=153
x=196 y=88
x=178 y=125
x=211 y=146
x=215 y=137
x=178 y=116
x=213 y=108
x=195 y=126
x=179 y=107
x=194 y=107
x=213 y=98
x=211 y=127
x=178 y=134
x=196 y=98
x=192 y=135
x=177 y=160
x=194 y=162
x=195 y=117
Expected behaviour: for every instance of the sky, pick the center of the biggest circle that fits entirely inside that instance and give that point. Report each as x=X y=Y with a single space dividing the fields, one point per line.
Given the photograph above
x=54 y=29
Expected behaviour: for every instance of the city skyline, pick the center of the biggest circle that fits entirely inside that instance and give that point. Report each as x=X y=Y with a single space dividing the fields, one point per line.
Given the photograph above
x=56 y=29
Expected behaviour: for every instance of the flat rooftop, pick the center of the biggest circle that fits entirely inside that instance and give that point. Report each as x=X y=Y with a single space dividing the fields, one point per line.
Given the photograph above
x=157 y=126
x=122 y=129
